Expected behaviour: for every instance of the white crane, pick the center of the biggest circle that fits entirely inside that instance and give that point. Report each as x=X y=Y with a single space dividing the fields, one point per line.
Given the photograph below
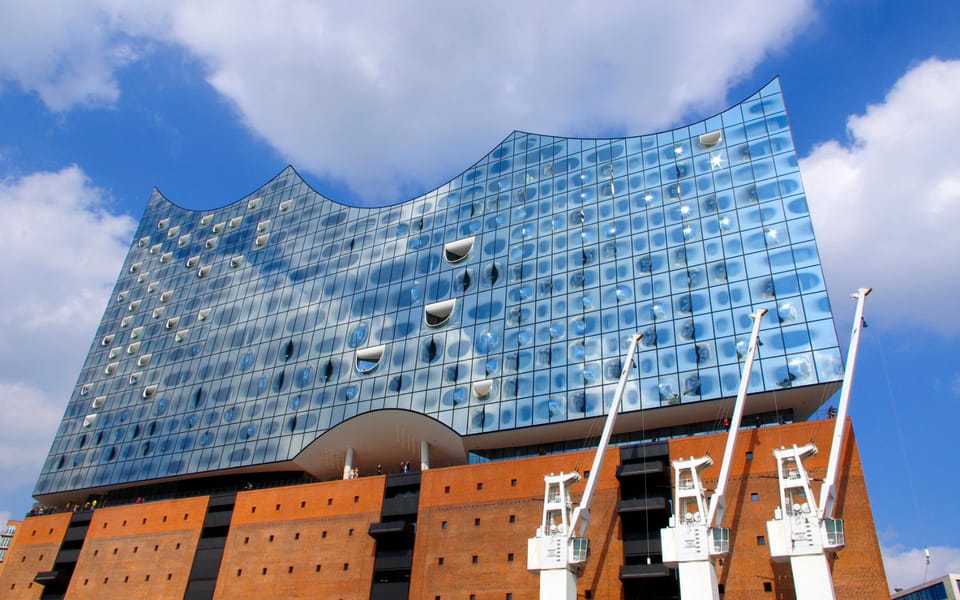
x=803 y=531
x=559 y=551
x=694 y=538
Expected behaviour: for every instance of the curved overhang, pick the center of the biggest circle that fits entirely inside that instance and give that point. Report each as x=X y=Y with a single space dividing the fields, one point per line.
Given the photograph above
x=382 y=437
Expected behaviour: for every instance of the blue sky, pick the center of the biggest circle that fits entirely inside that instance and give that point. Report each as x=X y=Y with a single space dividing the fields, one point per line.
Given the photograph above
x=102 y=100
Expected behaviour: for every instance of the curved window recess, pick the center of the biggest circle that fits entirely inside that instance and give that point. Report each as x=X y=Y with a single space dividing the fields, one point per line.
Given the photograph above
x=162 y=223
x=438 y=313
x=236 y=261
x=125 y=322
x=114 y=352
x=136 y=332
x=122 y=296
x=135 y=377
x=98 y=402
x=165 y=296
x=184 y=240
x=181 y=335
x=85 y=389
x=204 y=314
x=133 y=306
x=457 y=250
x=481 y=389
x=144 y=360
x=107 y=340
x=211 y=243
x=157 y=312
x=155 y=248
x=367 y=359
x=235 y=222
x=328 y=370
x=261 y=240
x=133 y=348
x=285 y=205
x=203 y=271
x=144 y=241
x=711 y=138
x=206 y=220
x=143 y=276
x=111 y=368
x=89 y=421
x=135 y=267
x=149 y=391
x=172 y=323
x=218 y=227
x=263 y=225
x=152 y=286
x=192 y=261
x=165 y=257
x=253 y=204
x=173 y=232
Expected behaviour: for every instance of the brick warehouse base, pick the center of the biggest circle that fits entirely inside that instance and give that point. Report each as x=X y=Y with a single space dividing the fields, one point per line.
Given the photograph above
x=456 y=532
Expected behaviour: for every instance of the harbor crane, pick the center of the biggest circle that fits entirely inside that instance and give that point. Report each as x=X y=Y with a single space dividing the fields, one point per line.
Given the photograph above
x=802 y=530
x=695 y=538
x=560 y=550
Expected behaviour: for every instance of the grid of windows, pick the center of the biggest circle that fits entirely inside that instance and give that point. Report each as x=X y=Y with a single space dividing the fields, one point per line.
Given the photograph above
x=501 y=300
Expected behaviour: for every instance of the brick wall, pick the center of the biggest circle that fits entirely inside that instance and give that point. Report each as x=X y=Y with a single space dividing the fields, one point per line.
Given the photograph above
x=139 y=550
x=33 y=549
x=306 y=541
x=488 y=511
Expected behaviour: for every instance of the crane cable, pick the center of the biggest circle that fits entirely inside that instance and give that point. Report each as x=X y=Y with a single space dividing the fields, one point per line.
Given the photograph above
x=903 y=452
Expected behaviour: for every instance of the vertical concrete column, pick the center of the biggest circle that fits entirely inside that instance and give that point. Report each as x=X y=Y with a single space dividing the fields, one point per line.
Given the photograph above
x=348 y=464
x=424 y=455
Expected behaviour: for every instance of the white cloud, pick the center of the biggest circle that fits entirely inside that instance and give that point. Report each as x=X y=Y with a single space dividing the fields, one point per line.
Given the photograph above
x=66 y=52
x=887 y=201
x=62 y=249
x=394 y=97
x=30 y=420
x=906 y=567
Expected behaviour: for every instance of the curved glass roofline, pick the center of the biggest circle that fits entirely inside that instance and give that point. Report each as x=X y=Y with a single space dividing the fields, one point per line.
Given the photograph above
x=767 y=87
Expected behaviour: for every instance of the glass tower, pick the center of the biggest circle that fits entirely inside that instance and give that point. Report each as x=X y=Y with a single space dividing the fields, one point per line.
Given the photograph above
x=500 y=302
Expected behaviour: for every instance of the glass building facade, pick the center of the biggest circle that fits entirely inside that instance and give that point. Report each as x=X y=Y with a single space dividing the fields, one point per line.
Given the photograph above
x=501 y=301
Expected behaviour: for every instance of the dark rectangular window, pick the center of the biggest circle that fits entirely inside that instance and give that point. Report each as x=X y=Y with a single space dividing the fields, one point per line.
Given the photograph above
x=513 y=518
x=761 y=540
x=510 y=556
x=767 y=586
x=754 y=497
x=440 y=561
x=513 y=483
x=475 y=559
